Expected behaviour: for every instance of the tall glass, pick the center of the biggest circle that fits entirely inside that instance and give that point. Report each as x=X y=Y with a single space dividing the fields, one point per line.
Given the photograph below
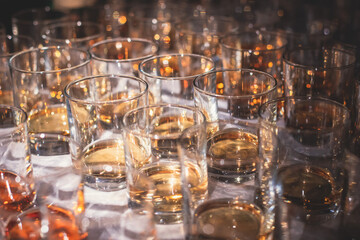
x=39 y=77
x=96 y=106
x=171 y=77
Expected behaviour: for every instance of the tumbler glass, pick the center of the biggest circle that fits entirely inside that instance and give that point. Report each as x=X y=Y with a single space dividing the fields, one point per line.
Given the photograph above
x=96 y=106
x=16 y=182
x=29 y=22
x=151 y=134
x=260 y=50
x=324 y=72
x=302 y=143
x=76 y=34
x=39 y=77
x=121 y=55
x=59 y=207
x=171 y=77
x=230 y=100
x=201 y=35
x=10 y=45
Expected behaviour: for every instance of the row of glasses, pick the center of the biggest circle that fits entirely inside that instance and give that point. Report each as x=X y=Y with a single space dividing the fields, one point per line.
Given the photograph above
x=224 y=101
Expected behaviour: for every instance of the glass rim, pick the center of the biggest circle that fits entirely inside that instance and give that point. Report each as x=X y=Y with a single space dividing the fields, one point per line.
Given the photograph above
x=196 y=87
x=97 y=102
x=123 y=39
x=126 y=127
x=271 y=33
x=69 y=23
x=20 y=37
x=43 y=49
x=303 y=66
x=141 y=65
x=263 y=109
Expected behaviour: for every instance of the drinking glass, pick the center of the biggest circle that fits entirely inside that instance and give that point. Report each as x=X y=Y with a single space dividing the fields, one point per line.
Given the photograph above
x=39 y=77
x=217 y=209
x=76 y=34
x=302 y=143
x=325 y=72
x=171 y=77
x=96 y=106
x=230 y=99
x=29 y=22
x=59 y=207
x=151 y=134
x=121 y=55
x=260 y=50
x=201 y=35
x=10 y=45
x=156 y=22
x=16 y=182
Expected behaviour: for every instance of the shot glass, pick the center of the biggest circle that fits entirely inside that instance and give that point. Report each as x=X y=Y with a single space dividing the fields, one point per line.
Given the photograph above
x=60 y=205
x=302 y=148
x=121 y=55
x=260 y=50
x=201 y=35
x=29 y=22
x=230 y=100
x=10 y=45
x=96 y=106
x=76 y=34
x=171 y=77
x=39 y=76
x=151 y=134
x=16 y=182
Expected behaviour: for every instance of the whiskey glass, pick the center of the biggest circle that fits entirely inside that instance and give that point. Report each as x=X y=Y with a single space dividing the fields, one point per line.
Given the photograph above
x=171 y=77
x=201 y=35
x=16 y=173
x=230 y=100
x=76 y=34
x=260 y=50
x=327 y=72
x=120 y=55
x=96 y=106
x=151 y=134
x=60 y=205
x=302 y=143
x=39 y=76
x=10 y=45
x=29 y=22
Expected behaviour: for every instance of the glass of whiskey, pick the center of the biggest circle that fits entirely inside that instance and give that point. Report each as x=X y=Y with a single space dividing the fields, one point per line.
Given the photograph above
x=302 y=144
x=40 y=76
x=96 y=106
x=59 y=204
x=230 y=100
x=151 y=135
